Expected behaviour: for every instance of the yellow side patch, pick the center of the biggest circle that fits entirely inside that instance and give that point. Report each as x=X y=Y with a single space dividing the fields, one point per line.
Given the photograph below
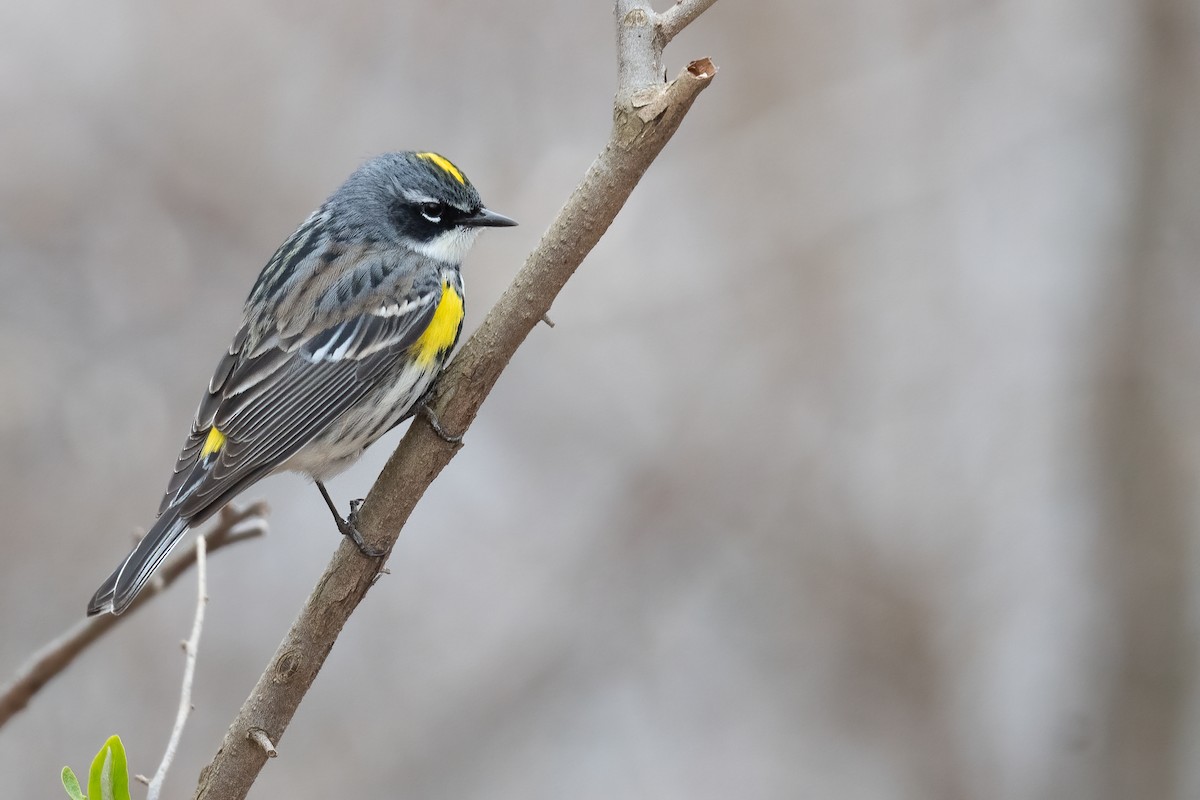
x=214 y=442
x=443 y=328
x=445 y=164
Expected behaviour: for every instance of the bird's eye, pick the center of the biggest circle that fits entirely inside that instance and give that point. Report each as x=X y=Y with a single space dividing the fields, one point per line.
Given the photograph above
x=433 y=211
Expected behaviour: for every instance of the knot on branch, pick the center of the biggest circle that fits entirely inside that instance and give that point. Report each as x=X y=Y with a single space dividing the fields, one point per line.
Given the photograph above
x=636 y=17
x=286 y=665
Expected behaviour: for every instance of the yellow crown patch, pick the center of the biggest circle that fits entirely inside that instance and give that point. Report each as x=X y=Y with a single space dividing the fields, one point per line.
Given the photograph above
x=445 y=165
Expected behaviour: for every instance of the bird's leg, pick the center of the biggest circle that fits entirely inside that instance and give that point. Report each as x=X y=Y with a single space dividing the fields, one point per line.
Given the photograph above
x=349 y=527
x=424 y=410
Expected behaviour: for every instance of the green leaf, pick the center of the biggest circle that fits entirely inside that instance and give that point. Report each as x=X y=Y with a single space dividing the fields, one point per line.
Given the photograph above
x=109 y=778
x=71 y=784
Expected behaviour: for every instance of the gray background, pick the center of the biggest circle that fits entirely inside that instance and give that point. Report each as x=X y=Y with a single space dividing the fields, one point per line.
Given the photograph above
x=860 y=464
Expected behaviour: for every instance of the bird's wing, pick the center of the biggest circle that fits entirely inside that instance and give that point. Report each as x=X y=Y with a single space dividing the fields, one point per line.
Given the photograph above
x=262 y=407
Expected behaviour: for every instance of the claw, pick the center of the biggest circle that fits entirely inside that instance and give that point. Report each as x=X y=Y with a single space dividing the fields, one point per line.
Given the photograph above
x=436 y=424
x=349 y=527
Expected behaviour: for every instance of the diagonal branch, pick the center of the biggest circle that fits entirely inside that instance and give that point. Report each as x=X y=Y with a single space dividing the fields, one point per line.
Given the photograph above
x=234 y=524
x=647 y=112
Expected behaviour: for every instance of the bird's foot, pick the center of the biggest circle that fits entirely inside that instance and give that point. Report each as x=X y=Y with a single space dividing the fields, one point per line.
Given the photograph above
x=349 y=527
x=436 y=424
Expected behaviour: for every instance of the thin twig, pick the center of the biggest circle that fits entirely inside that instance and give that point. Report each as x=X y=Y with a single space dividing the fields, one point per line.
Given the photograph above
x=647 y=112
x=234 y=524
x=189 y=671
x=260 y=738
x=680 y=15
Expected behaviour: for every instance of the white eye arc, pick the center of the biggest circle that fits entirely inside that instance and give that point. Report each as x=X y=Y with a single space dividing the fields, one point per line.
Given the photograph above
x=432 y=211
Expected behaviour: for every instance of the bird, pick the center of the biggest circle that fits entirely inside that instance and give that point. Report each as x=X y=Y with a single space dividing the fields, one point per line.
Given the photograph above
x=342 y=335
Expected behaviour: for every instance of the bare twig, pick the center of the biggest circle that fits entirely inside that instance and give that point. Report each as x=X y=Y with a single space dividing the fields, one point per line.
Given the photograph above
x=647 y=112
x=680 y=15
x=234 y=524
x=189 y=671
x=259 y=737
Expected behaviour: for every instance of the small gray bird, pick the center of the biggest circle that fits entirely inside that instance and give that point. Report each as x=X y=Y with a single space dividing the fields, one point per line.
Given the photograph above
x=344 y=331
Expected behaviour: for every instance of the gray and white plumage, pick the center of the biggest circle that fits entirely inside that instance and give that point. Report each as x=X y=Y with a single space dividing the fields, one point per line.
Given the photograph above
x=343 y=332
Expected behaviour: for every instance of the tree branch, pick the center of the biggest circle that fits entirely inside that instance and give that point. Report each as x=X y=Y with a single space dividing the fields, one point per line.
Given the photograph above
x=234 y=524
x=680 y=15
x=189 y=671
x=646 y=114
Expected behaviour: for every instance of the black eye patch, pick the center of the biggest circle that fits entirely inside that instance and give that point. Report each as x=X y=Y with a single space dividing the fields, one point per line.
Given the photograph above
x=432 y=211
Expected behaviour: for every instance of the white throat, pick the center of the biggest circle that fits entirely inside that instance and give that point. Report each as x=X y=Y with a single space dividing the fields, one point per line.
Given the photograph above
x=451 y=246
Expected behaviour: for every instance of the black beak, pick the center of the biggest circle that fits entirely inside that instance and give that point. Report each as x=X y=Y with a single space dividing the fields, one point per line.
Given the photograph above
x=483 y=218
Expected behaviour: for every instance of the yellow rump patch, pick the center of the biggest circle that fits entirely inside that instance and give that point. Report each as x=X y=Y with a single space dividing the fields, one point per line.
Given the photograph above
x=445 y=164
x=214 y=442
x=443 y=328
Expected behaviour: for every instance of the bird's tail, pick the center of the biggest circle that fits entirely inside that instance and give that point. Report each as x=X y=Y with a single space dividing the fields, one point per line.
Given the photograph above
x=120 y=588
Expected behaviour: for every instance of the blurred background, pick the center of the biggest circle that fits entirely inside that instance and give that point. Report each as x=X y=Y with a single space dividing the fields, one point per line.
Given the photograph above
x=860 y=463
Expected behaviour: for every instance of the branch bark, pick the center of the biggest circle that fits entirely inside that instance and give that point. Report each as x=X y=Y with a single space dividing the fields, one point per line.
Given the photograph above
x=234 y=524
x=647 y=112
